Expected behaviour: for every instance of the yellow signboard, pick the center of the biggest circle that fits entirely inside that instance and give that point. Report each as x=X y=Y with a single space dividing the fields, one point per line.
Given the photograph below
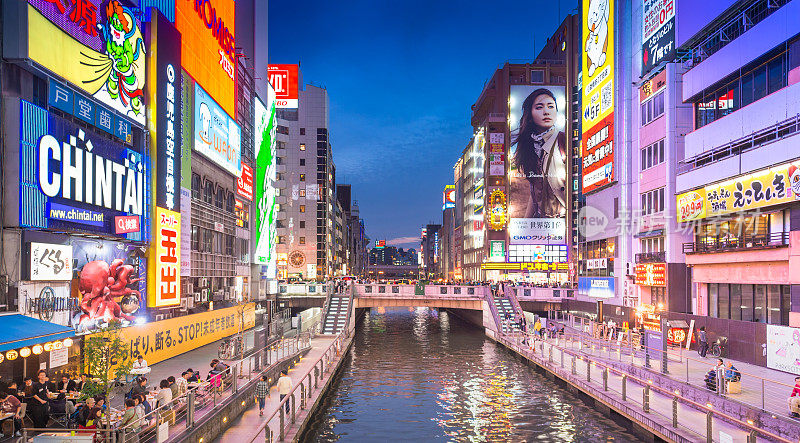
x=165 y=286
x=161 y=340
x=768 y=187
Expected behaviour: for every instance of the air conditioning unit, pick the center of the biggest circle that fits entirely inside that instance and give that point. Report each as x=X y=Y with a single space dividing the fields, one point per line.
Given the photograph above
x=203 y=282
x=197 y=297
x=189 y=288
x=159 y=317
x=183 y=304
x=190 y=303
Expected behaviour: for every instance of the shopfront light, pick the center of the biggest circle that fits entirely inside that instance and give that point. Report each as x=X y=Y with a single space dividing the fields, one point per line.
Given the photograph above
x=48 y=346
x=57 y=345
x=11 y=355
x=67 y=342
x=37 y=349
x=24 y=352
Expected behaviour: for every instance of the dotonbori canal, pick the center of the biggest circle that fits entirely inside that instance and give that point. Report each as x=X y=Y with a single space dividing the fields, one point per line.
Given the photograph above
x=419 y=374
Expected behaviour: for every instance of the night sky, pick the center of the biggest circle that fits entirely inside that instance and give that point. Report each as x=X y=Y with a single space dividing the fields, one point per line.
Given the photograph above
x=401 y=77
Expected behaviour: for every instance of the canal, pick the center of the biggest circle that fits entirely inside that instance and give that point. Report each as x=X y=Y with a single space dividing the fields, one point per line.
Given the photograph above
x=422 y=375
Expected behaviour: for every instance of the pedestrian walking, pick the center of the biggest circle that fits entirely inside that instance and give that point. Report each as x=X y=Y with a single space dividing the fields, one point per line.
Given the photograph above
x=284 y=387
x=701 y=336
x=262 y=391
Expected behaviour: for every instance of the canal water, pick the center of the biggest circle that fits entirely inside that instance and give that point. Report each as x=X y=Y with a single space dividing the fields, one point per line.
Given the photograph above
x=421 y=375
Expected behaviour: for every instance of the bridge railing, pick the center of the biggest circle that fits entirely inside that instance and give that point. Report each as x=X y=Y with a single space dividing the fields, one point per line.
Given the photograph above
x=532 y=293
x=386 y=290
x=303 y=289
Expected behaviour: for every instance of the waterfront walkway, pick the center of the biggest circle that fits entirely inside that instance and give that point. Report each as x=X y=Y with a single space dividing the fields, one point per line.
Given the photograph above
x=250 y=426
x=675 y=409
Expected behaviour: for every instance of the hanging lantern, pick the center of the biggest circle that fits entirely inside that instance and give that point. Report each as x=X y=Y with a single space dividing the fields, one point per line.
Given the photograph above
x=24 y=352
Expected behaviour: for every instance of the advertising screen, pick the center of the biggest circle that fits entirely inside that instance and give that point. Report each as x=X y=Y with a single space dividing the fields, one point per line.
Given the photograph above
x=783 y=353
x=112 y=283
x=208 y=30
x=244 y=184
x=95 y=45
x=658 y=33
x=651 y=274
x=597 y=72
x=598 y=287
x=285 y=80
x=449 y=197
x=216 y=135
x=71 y=179
x=497 y=251
x=266 y=174
x=538 y=170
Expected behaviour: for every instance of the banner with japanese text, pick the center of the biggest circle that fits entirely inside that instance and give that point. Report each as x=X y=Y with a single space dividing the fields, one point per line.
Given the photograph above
x=162 y=340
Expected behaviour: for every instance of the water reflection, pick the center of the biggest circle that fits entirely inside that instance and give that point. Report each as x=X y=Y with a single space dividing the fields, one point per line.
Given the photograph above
x=425 y=375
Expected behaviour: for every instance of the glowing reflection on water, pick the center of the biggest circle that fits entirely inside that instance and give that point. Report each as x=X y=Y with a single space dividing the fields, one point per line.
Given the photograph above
x=423 y=375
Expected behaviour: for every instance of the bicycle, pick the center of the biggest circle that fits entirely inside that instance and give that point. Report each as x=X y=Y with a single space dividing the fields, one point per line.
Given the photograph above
x=717 y=348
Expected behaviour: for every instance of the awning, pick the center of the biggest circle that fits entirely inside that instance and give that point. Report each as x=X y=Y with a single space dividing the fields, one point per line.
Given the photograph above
x=678 y=324
x=19 y=331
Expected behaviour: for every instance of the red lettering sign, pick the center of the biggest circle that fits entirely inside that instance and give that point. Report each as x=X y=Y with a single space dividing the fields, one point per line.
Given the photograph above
x=124 y=224
x=244 y=185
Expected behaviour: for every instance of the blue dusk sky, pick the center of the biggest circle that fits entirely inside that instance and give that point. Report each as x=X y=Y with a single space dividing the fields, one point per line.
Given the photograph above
x=401 y=77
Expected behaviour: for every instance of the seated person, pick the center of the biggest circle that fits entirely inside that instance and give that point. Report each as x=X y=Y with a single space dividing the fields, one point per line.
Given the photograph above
x=732 y=374
x=66 y=385
x=13 y=390
x=140 y=366
x=194 y=377
x=82 y=383
x=711 y=380
x=84 y=411
x=11 y=405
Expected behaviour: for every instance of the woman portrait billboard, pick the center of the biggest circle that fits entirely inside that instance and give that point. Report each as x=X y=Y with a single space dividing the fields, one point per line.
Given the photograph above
x=538 y=152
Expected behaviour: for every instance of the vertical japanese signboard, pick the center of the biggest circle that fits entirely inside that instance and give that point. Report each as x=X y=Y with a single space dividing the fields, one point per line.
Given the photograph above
x=597 y=141
x=658 y=33
x=164 y=69
x=166 y=285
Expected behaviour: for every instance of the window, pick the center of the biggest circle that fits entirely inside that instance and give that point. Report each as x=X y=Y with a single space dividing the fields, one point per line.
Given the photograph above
x=197 y=186
x=230 y=203
x=279 y=160
x=653 y=108
x=302 y=145
x=302 y=193
x=652 y=201
x=652 y=155
x=302 y=224
x=195 y=238
x=765 y=76
x=281 y=239
x=302 y=208
x=302 y=177
x=279 y=176
x=537 y=76
x=219 y=202
x=282 y=130
x=303 y=132
x=302 y=162
x=208 y=193
x=302 y=240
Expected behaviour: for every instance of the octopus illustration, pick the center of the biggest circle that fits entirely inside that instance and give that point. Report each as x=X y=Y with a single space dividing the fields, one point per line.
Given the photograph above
x=101 y=285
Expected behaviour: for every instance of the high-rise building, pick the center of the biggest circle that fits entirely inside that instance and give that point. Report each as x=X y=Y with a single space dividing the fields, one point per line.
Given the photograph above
x=305 y=186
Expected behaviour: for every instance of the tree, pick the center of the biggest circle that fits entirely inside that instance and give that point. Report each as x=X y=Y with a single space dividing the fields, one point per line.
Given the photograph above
x=105 y=358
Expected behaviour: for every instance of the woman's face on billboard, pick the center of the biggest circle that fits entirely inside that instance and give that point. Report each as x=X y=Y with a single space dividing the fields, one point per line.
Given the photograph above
x=544 y=111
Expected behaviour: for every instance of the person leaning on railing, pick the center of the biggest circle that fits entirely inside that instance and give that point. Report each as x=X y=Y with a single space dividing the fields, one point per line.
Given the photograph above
x=794 y=399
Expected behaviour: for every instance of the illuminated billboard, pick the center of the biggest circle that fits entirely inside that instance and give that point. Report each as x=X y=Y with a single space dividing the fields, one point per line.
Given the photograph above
x=208 y=29
x=651 y=274
x=244 y=184
x=285 y=80
x=165 y=287
x=767 y=187
x=380 y=244
x=264 y=127
x=449 y=197
x=97 y=46
x=537 y=157
x=658 y=33
x=216 y=135
x=71 y=179
x=597 y=121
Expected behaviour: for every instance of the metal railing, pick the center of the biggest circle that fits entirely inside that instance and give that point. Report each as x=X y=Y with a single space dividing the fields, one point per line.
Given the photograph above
x=299 y=397
x=729 y=31
x=595 y=377
x=745 y=241
x=651 y=257
x=770 y=134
